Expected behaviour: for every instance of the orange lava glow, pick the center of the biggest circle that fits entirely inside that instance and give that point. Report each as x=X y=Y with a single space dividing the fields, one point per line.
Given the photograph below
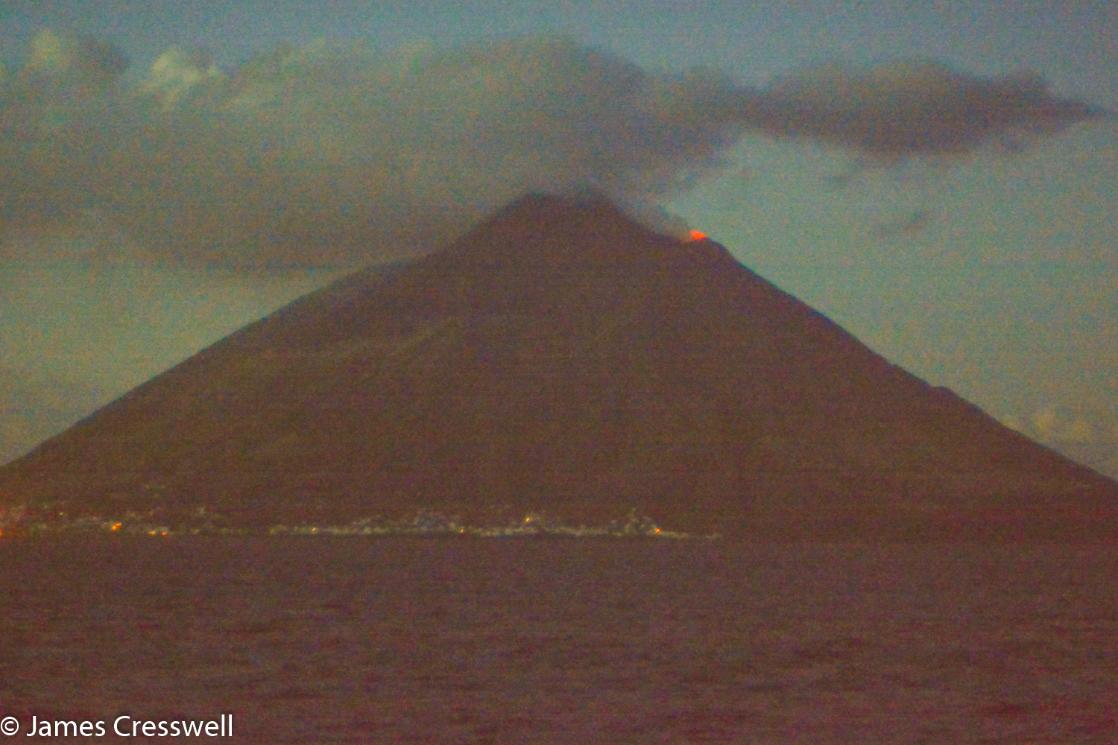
x=696 y=235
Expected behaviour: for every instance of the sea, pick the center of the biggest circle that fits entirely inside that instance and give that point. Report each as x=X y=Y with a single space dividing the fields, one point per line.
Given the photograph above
x=405 y=639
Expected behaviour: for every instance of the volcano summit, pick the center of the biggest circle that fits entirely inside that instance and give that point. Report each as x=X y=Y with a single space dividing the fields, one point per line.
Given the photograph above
x=562 y=359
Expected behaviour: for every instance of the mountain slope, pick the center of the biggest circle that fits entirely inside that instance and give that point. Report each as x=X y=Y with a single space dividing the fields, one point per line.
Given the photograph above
x=561 y=358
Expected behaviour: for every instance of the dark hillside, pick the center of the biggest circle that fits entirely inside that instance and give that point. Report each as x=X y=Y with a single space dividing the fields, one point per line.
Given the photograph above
x=561 y=358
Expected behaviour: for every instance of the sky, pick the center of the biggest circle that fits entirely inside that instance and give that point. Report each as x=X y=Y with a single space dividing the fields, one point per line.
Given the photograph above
x=939 y=178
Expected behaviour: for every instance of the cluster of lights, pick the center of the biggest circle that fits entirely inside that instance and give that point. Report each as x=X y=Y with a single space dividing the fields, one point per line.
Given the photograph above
x=424 y=523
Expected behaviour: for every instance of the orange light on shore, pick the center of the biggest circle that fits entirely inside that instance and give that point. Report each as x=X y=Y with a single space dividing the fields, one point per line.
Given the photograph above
x=696 y=235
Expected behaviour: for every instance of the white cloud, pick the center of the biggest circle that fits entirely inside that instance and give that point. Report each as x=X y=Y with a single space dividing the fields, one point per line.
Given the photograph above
x=1080 y=431
x=176 y=73
x=1045 y=423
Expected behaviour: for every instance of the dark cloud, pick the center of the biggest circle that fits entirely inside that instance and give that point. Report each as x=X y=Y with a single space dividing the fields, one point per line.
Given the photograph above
x=905 y=226
x=60 y=67
x=333 y=155
x=909 y=108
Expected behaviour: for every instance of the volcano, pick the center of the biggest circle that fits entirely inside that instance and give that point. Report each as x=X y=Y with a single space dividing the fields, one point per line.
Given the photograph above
x=564 y=360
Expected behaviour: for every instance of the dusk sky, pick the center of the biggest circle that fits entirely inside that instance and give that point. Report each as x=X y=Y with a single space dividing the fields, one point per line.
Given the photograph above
x=939 y=178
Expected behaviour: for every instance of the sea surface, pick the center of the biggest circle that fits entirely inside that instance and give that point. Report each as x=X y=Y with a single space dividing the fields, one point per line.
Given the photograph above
x=549 y=640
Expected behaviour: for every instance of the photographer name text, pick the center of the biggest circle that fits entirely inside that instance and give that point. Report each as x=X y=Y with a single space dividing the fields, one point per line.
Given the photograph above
x=124 y=725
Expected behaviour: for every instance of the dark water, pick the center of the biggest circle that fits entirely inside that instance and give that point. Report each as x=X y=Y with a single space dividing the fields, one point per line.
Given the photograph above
x=567 y=641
